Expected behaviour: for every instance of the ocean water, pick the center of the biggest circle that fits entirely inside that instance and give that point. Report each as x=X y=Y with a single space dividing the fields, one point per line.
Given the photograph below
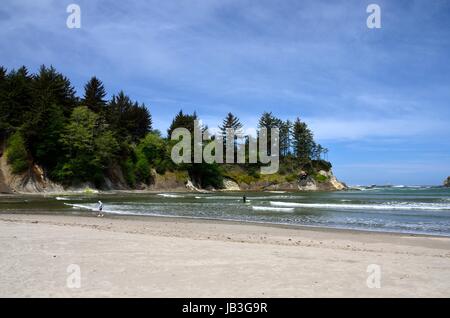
x=416 y=210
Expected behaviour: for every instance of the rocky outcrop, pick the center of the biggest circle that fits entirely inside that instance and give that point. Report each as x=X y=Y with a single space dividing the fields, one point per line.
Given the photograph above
x=447 y=182
x=4 y=188
x=33 y=180
x=230 y=185
x=170 y=181
x=115 y=179
x=191 y=187
x=322 y=181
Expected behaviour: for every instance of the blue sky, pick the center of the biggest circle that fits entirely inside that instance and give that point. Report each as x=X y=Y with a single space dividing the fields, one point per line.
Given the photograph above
x=379 y=99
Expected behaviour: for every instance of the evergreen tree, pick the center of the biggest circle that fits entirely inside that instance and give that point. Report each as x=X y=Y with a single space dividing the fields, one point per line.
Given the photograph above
x=127 y=119
x=3 y=72
x=316 y=152
x=232 y=122
x=140 y=121
x=45 y=145
x=117 y=110
x=51 y=87
x=202 y=174
x=269 y=121
x=303 y=141
x=53 y=99
x=94 y=95
x=15 y=98
x=182 y=120
x=285 y=138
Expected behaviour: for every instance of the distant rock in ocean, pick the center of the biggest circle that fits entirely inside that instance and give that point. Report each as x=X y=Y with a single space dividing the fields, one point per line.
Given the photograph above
x=447 y=182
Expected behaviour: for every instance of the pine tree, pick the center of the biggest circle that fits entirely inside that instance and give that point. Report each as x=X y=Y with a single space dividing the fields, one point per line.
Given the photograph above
x=285 y=138
x=53 y=99
x=303 y=141
x=230 y=122
x=3 y=72
x=269 y=121
x=15 y=98
x=128 y=119
x=50 y=87
x=182 y=120
x=139 y=121
x=94 y=95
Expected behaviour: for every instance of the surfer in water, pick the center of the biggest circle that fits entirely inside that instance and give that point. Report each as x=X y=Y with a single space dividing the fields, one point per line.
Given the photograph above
x=100 y=209
x=244 y=199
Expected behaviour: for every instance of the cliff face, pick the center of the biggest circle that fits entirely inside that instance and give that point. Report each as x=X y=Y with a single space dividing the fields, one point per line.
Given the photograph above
x=34 y=180
x=447 y=182
x=323 y=180
x=4 y=188
x=31 y=181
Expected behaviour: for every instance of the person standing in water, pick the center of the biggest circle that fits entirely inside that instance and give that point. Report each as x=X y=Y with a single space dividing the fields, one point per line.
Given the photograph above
x=244 y=199
x=100 y=209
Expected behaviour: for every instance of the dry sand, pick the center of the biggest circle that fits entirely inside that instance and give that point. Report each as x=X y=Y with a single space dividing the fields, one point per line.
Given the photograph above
x=160 y=257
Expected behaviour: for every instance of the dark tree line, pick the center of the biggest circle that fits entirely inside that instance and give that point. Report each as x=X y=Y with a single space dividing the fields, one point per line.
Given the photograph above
x=74 y=139
x=296 y=140
x=79 y=139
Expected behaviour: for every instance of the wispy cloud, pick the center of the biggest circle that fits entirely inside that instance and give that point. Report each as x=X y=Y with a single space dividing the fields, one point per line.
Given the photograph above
x=308 y=58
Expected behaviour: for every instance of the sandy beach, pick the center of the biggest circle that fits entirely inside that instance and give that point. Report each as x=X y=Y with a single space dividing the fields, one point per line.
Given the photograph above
x=164 y=257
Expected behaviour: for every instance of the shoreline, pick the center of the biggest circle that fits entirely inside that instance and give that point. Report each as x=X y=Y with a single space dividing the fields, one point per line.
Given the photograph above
x=51 y=217
x=156 y=191
x=174 y=257
x=174 y=218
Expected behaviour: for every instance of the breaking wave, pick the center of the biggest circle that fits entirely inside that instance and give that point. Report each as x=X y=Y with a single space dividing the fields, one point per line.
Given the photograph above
x=266 y=208
x=385 y=206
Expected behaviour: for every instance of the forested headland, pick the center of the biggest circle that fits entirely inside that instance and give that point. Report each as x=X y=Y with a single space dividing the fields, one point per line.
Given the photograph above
x=78 y=138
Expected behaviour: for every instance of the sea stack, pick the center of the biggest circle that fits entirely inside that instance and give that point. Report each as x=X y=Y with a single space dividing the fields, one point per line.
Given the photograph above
x=447 y=182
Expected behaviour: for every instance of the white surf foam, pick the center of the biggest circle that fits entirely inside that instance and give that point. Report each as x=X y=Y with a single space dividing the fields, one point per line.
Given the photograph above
x=218 y=197
x=169 y=195
x=94 y=208
x=269 y=197
x=266 y=208
x=82 y=206
x=363 y=206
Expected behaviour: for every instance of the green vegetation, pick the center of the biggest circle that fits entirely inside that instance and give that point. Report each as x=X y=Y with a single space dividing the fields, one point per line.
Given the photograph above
x=79 y=139
x=89 y=147
x=16 y=153
x=320 y=178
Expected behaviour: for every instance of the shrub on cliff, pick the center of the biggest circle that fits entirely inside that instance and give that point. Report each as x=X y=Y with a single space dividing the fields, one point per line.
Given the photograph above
x=17 y=154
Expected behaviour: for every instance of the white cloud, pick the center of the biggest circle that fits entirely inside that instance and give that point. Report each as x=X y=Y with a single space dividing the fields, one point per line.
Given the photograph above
x=356 y=129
